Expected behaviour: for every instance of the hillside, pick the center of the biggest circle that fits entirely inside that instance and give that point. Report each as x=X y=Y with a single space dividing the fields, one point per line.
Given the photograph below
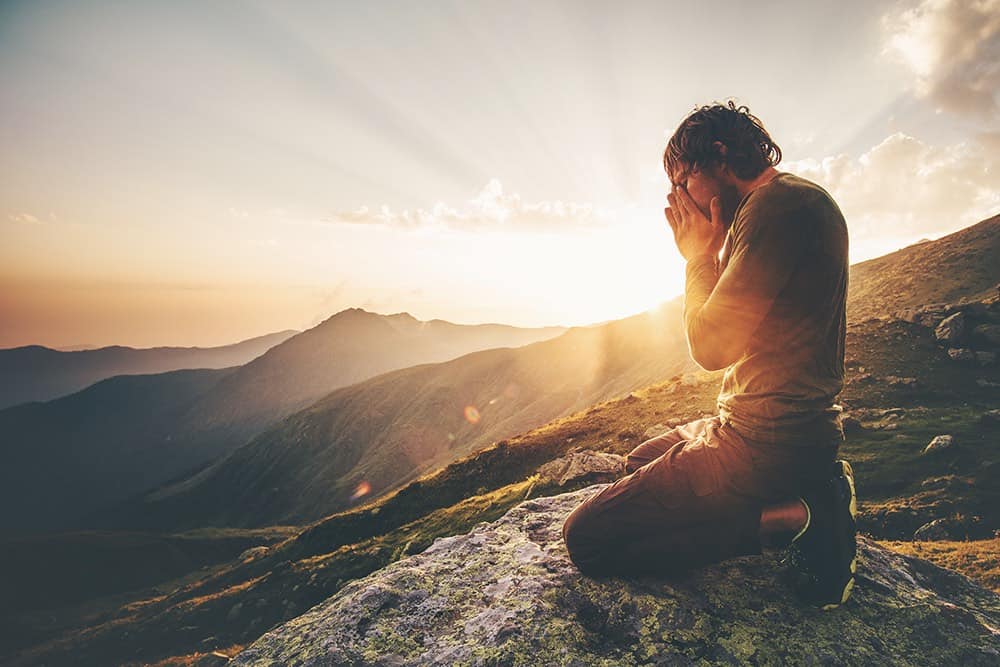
x=960 y=265
x=74 y=454
x=506 y=593
x=903 y=390
x=348 y=347
x=129 y=434
x=388 y=430
x=37 y=373
x=379 y=434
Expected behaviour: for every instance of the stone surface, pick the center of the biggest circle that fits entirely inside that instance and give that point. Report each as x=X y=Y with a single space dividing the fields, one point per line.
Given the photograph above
x=951 y=329
x=938 y=529
x=506 y=593
x=583 y=465
x=939 y=443
x=961 y=354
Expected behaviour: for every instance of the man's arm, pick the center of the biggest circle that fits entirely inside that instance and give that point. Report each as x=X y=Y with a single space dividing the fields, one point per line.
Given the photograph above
x=721 y=312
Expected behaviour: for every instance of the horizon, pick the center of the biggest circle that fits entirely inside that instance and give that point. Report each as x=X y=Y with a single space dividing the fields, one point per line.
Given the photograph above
x=197 y=176
x=90 y=346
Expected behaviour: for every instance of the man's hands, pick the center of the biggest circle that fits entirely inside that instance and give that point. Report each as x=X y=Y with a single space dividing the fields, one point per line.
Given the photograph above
x=694 y=233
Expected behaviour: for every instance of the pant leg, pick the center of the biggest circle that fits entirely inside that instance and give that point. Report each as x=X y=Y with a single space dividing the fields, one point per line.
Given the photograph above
x=679 y=509
x=654 y=447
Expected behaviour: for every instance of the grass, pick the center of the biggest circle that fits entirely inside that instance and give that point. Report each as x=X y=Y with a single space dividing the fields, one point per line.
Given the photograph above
x=976 y=559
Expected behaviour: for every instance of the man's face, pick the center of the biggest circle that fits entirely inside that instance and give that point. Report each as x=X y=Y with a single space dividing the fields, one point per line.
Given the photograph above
x=703 y=184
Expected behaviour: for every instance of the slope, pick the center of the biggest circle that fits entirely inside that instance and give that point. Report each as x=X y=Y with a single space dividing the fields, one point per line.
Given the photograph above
x=37 y=373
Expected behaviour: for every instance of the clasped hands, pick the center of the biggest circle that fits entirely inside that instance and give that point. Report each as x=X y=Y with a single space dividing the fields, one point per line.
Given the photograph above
x=694 y=233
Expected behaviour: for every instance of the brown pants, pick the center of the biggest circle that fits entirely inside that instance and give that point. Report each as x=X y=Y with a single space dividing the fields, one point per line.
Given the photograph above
x=690 y=496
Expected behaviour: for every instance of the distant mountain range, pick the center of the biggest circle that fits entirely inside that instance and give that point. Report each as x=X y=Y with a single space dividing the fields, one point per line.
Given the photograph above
x=904 y=388
x=37 y=373
x=128 y=434
x=363 y=440
x=376 y=435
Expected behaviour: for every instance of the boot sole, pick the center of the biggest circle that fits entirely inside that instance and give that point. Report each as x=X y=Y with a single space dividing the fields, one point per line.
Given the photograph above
x=848 y=472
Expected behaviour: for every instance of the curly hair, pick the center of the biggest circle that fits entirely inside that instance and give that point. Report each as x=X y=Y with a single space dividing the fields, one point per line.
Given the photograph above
x=749 y=147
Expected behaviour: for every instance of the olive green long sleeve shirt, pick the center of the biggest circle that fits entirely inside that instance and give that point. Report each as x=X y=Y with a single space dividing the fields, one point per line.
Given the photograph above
x=772 y=311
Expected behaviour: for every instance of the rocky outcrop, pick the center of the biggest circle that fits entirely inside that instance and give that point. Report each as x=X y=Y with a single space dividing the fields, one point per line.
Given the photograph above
x=939 y=443
x=582 y=466
x=506 y=593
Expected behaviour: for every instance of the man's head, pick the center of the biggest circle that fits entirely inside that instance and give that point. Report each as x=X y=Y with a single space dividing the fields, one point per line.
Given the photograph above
x=716 y=151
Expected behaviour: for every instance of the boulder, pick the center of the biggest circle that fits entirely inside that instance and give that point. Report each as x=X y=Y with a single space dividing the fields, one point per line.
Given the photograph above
x=585 y=464
x=951 y=329
x=897 y=382
x=655 y=430
x=939 y=443
x=961 y=354
x=506 y=593
x=851 y=425
x=938 y=529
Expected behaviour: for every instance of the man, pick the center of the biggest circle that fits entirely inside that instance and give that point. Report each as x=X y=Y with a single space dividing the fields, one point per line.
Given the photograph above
x=771 y=311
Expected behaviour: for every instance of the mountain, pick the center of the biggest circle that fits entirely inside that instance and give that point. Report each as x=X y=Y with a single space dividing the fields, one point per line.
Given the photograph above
x=963 y=264
x=128 y=434
x=37 y=373
x=350 y=346
x=506 y=593
x=107 y=442
x=903 y=390
x=370 y=437
x=905 y=387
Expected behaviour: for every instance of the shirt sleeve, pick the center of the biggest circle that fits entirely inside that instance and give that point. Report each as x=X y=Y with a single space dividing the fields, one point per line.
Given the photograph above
x=721 y=312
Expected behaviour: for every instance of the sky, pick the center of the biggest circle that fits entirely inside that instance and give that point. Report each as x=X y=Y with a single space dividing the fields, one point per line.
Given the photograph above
x=192 y=173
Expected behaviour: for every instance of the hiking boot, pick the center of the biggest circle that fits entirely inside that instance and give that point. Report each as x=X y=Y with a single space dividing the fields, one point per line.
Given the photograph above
x=824 y=553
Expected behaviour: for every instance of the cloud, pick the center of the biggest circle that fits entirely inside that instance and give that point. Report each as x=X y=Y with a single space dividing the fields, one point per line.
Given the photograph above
x=491 y=208
x=904 y=188
x=24 y=218
x=953 y=46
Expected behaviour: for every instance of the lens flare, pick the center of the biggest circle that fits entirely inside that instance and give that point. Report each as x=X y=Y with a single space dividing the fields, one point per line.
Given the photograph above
x=364 y=488
x=471 y=414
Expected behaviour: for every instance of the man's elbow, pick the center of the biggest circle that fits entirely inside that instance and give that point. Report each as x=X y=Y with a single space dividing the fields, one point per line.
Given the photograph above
x=709 y=357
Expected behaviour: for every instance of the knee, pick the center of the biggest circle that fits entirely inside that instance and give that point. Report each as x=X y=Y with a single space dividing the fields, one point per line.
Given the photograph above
x=633 y=463
x=581 y=545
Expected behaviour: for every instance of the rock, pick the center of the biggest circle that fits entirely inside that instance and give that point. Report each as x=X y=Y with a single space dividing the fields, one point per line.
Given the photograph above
x=986 y=357
x=253 y=552
x=902 y=382
x=655 y=430
x=964 y=528
x=987 y=333
x=506 y=593
x=990 y=417
x=945 y=483
x=961 y=354
x=939 y=443
x=894 y=413
x=851 y=425
x=951 y=329
x=935 y=530
x=585 y=464
x=863 y=379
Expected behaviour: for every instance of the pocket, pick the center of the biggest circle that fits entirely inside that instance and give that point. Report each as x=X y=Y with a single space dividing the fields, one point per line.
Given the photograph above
x=717 y=461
